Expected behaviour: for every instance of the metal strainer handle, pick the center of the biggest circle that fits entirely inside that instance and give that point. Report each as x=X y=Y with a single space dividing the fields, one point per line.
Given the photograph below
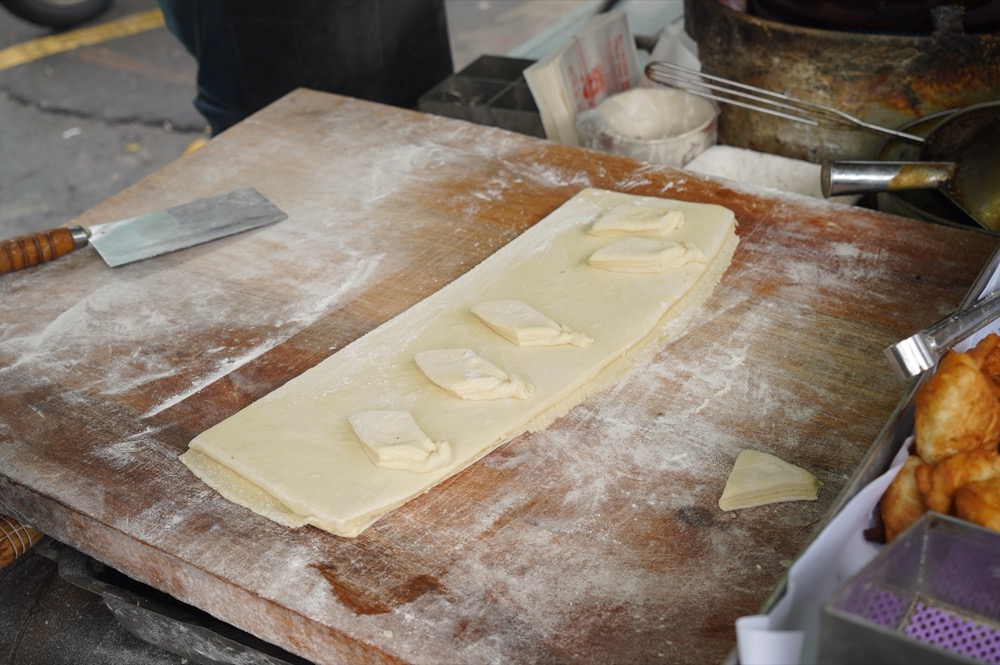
x=765 y=101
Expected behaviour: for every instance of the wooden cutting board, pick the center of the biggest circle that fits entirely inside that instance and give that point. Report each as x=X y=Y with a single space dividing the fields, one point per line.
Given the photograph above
x=597 y=539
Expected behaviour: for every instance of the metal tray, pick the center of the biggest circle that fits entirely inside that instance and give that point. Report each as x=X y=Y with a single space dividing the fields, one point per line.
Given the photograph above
x=923 y=599
x=490 y=91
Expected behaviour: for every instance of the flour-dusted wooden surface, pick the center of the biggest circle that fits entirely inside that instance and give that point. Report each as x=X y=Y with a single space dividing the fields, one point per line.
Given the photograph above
x=597 y=539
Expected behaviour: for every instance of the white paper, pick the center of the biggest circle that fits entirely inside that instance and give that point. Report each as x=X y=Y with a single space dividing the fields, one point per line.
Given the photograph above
x=675 y=46
x=600 y=60
x=759 y=644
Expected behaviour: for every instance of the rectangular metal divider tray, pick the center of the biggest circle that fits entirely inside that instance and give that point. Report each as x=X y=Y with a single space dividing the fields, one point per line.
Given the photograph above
x=490 y=91
x=887 y=444
x=931 y=596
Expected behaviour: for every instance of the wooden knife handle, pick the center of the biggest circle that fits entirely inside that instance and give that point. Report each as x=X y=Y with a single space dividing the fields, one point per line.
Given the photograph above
x=15 y=539
x=35 y=248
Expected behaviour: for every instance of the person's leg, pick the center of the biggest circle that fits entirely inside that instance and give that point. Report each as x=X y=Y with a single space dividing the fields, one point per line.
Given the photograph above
x=389 y=51
x=204 y=29
x=416 y=49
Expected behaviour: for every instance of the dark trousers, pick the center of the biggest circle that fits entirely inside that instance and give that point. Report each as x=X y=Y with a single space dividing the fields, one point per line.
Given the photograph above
x=251 y=52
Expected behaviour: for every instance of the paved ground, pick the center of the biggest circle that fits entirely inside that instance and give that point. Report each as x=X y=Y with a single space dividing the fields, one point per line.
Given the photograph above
x=81 y=125
x=84 y=123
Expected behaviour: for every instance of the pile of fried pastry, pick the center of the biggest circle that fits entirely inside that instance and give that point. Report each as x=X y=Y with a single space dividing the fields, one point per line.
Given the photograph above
x=954 y=465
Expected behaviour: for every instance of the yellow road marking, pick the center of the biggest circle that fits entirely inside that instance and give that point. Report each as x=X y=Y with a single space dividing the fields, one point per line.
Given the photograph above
x=42 y=47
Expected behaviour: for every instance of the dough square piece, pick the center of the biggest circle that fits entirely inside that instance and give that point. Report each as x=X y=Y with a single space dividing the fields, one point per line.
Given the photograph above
x=645 y=255
x=294 y=456
x=393 y=440
x=758 y=478
x=522 y=324
x=629 y=219
x=467 y=375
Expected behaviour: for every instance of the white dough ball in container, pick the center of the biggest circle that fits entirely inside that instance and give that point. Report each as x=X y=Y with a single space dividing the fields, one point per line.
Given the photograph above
x=654 y=125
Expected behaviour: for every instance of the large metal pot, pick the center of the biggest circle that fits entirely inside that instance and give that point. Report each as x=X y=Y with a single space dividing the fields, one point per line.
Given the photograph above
x=886 y=79
x=912 y=16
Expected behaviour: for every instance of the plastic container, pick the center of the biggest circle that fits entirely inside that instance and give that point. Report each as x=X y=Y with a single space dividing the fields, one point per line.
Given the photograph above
x=654 y=125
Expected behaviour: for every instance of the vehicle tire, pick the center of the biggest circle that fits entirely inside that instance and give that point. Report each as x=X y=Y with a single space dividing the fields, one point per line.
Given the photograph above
x=59 y=14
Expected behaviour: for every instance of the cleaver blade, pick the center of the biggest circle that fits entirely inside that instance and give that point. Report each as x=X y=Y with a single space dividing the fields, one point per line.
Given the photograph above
x=146 y=236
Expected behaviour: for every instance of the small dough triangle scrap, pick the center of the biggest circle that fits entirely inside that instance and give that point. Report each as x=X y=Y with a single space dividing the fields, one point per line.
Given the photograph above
x=758 y=478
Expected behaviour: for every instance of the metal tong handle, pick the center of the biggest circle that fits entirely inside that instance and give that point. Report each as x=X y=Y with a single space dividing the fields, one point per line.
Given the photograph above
x=765 y=101
x=920 y=352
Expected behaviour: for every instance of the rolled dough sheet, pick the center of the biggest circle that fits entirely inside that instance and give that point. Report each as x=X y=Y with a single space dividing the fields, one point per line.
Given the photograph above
x=293 y=456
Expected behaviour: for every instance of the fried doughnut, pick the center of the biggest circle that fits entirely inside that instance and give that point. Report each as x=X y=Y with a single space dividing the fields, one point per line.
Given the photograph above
x=902 y=504
x=938 y=484
x=986 y=355
x=956 y=410
x=986 y=352
x=979 y=503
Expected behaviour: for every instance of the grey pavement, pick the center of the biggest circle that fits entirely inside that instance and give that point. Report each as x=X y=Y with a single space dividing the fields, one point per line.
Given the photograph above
x=79 y=126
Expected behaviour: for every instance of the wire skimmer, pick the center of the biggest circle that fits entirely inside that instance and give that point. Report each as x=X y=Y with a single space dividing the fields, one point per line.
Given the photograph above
x=764 y=101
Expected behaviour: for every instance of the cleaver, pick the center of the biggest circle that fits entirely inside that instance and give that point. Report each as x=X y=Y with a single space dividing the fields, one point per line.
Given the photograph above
x=148 y=235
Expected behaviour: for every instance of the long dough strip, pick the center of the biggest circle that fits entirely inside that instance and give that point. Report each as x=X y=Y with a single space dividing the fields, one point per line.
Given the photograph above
x=293 y=452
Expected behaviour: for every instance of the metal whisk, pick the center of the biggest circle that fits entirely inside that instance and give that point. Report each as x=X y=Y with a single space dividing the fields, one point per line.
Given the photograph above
x=764 y=101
